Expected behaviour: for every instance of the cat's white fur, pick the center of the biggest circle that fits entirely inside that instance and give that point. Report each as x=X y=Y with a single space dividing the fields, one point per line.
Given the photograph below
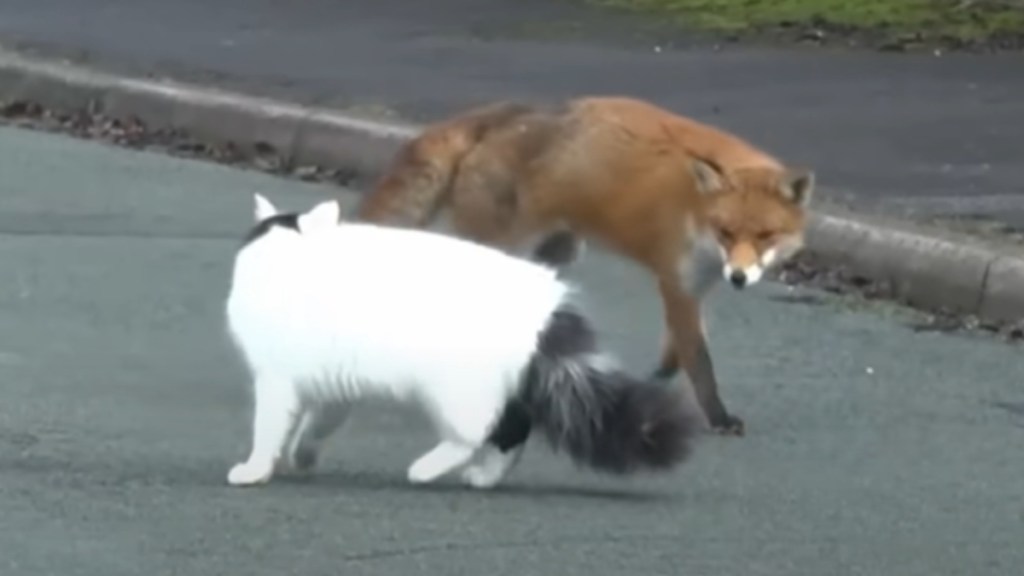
x=325 y=312
x=334 y=311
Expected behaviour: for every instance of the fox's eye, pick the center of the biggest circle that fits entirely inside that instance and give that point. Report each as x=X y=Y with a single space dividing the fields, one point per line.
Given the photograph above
x=725 y=235
x=764 y=236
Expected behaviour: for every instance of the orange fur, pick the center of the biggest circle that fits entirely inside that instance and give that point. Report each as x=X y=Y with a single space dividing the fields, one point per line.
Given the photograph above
x=666 y=191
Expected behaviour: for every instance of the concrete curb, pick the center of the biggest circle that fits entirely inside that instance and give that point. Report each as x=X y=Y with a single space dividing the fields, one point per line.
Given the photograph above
x=299 y=134
x=925 y=269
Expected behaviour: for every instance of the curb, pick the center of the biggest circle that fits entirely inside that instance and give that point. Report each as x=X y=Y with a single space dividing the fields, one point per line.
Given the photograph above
x=926 y=269
x=298 y=134
x=923 y=268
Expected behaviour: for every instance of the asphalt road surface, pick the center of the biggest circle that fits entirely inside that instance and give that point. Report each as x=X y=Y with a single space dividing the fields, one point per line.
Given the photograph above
x=915 y=135
x=872 y=449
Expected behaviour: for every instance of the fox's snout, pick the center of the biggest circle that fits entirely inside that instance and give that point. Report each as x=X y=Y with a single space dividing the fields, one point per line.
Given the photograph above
x=738 y=278
x=744 y=266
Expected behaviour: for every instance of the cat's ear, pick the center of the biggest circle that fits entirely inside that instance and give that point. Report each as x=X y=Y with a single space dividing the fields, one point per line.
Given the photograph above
x=323 y=215
x=263 y=208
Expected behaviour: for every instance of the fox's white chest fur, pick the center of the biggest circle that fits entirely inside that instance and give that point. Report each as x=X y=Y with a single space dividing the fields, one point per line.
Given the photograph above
x=324 y=313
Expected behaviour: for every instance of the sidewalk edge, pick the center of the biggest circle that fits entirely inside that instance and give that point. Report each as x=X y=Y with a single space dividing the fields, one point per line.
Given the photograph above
x=924 y=270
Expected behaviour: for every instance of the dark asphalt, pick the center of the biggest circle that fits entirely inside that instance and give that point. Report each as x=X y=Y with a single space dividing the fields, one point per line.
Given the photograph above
x=872 y=449
x=917 y=135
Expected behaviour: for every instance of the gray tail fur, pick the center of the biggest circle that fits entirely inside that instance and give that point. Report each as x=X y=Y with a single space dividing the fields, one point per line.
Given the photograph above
x=602 y=416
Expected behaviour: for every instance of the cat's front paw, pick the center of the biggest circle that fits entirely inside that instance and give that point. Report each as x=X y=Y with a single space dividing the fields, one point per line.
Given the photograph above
x=246 y=474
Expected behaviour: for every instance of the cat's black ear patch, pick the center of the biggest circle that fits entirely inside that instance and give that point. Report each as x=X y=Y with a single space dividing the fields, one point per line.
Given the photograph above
x=283 y=220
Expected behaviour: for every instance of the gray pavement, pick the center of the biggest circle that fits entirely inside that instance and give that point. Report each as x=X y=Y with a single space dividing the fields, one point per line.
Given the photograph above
x=872 y=449
x=915 y=135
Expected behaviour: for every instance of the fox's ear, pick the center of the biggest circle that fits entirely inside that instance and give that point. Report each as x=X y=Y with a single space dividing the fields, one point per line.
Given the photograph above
x=323 y=215
x=708 y=179
x=263 y=209
x=798 y=186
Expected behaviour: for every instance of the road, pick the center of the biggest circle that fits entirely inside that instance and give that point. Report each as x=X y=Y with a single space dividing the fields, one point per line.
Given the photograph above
x=915 y=135
x=872 y=448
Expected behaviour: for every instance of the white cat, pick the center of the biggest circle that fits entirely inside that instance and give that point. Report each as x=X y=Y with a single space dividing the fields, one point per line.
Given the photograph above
x=489 y=345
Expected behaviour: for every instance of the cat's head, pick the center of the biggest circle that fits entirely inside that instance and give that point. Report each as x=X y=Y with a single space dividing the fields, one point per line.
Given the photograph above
x=270 y=222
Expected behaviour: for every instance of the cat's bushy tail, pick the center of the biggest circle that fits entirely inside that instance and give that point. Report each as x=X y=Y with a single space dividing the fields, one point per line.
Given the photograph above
x=602 y=416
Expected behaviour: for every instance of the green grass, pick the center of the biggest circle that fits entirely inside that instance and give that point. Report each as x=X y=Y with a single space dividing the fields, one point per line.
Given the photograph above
x=932 y=18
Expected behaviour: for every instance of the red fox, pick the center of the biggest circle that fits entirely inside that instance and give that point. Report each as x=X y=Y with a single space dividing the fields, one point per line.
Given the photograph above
x=689 y=202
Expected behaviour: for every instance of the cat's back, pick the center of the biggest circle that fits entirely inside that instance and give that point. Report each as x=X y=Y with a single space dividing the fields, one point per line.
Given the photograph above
x=418 y=261
x=421 y=278
x=399 y=303
x=369 y=277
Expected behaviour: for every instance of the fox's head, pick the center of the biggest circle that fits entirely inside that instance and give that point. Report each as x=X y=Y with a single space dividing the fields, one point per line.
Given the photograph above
x=757 y=216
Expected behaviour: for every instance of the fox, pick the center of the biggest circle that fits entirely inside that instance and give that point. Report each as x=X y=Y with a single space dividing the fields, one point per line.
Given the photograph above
x=324 y=312
x=691 y=203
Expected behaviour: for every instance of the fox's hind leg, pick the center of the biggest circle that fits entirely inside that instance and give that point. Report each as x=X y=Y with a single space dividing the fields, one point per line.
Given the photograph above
x=276 y=415
x=316 y=425
x=486 y=208
x=559 y=249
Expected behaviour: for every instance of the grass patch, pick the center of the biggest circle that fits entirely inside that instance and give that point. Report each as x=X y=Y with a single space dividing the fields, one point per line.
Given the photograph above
x=965 y=20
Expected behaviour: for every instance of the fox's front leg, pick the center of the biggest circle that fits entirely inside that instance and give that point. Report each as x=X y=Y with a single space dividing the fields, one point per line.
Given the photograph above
x=668 y=366
x=687 y=347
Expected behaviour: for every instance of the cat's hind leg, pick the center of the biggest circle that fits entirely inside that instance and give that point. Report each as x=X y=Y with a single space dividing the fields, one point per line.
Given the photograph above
x=446 y=457
x=491 y=466
x=464 y=421
x=276 y=414
x=316 y=426
x=503 y=448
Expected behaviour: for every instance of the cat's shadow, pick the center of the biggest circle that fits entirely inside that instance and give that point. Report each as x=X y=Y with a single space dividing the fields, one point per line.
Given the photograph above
x=142 y=473
x=382 y=482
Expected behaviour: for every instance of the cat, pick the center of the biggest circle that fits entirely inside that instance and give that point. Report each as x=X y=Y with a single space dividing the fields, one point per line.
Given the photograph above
x=324 y=311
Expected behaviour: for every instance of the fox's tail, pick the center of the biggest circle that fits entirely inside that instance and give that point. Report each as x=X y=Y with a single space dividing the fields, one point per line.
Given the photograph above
x=603 y=417
x=419 y=177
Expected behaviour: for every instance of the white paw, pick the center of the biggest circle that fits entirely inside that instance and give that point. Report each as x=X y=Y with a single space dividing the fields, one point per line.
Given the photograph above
x=480 y=477
x=246 y=474
x=421 y=473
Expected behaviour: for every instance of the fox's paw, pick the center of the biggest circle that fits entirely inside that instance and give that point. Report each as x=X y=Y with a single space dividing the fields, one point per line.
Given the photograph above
x=729 y=425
